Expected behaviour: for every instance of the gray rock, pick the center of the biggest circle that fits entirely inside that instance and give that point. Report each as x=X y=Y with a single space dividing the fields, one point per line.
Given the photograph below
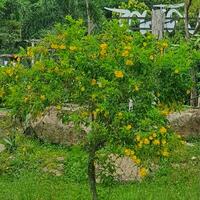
x=186 y=123
x=51 y=129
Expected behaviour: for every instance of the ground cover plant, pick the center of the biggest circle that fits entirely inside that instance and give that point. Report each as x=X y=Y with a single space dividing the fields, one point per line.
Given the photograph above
x=124 y=83
x=23 y=176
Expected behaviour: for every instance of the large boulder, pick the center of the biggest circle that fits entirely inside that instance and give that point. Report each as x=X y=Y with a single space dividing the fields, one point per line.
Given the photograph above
x=186 y=123
x=50 y=128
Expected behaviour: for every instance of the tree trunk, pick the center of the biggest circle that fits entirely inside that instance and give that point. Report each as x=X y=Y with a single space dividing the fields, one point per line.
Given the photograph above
x=89 y=21
x=158 y=20
x=186 y=10
x=92 y=173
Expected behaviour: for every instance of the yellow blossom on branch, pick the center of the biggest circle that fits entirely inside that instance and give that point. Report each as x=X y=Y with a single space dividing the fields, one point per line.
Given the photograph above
x=143 y=172
x=104 y=46
x=93 y=82
x=119 y=74
x=163 y=130
x=156 y=142
x=129 y=62
x=128 y=127
x=146 y=141
x=125 y=53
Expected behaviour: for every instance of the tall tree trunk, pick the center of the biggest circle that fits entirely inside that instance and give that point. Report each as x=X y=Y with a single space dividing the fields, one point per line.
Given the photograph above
x=188 y=3
x=92 y=173
x=90 y=24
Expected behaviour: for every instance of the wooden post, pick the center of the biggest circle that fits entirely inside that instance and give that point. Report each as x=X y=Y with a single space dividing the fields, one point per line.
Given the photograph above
x=158 y=20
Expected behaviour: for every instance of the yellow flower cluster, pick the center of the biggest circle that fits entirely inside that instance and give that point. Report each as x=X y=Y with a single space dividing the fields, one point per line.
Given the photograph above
x=119 y=74
x=103 y=49
x=42 y=97
x=128 y=127
x=9 y=71
x=29 y=52
x=125 y=53
x=93 y=82
x=72 y=48
x=135 y=88
x=129 y=62
x=165 y=153
x=143 y=172
x=131 y=154
x=164 y=45
x=56 y=46
x=163 y=130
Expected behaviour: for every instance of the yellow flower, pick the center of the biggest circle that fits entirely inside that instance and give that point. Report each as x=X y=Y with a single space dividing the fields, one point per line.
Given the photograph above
x=9 y=72
x=128 y=48
x=62 y=46
x=72 y=48
x=129 y=152
x=129 y=62
x=164 y=142
x=134 y=158
x=156 y=142
x=104 y=46
x=103 y=53
x=54 y=46
x=163 y=130
x=154 y=135
x=143 y=172
x=137 y=138
x=42 y=97
x=29 y=52
x=150 y=138
x=137 y=161
x=58 y=107
x=125 y=53
x=136 y=88
x=165 y=45
x=93 y=82
x=119 y=74
x=140 y=144
x=165 y=153
x=128 y=127
x=146 y=141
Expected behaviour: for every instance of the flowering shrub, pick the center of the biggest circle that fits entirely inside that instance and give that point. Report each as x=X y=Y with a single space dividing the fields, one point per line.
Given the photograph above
x=119 y=78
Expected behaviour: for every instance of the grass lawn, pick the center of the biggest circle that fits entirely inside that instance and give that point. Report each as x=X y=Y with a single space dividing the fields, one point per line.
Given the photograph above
x=22 y=175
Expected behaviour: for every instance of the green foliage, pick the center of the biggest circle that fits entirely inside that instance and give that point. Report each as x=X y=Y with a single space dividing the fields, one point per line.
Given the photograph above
x=100 y=73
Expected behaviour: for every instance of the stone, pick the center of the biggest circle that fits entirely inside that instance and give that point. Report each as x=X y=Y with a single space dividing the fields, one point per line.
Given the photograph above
x=186 y=123
x=50 y=128
x=125 y=169
x=2 y=148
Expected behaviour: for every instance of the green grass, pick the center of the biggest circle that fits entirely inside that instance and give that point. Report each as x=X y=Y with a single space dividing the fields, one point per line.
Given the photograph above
x=22 y=176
